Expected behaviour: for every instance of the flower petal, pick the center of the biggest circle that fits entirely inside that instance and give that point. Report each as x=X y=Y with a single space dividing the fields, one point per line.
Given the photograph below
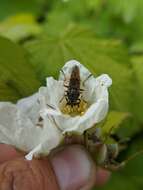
x=18 y=130
x=27 y=103
x=79 y=124
x=97 y=88
x=50 y=138
x=12 y=124
x=30 y=106
x=104 y=80
x=51 y=95
x=101 y=87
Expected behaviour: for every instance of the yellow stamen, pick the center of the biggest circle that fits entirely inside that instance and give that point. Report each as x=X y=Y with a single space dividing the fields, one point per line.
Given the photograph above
x=75 y=110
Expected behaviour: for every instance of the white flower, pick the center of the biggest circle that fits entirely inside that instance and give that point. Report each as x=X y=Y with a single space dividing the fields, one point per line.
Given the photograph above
x=36 y=124
x=95 y=94
x=22 y=126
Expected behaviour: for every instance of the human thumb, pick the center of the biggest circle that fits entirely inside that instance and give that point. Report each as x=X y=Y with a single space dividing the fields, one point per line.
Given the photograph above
x=74 y=168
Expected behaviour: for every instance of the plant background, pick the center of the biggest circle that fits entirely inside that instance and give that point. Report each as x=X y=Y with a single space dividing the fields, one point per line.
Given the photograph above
x=37 y=37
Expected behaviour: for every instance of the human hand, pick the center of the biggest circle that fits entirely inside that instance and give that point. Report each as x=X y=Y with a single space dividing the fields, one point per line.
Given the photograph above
x=70 y=168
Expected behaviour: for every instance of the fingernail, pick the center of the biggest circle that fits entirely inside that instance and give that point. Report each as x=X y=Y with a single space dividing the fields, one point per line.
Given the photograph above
x=73 y=168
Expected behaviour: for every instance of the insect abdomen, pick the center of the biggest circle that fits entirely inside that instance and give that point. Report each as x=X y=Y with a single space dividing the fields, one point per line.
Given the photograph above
x=73 y=91
x=73 y=96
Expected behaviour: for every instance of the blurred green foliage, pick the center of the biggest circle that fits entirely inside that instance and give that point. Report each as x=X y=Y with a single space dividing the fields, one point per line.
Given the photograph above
x=17 y=77
x=104 y=35
x=12 y=7
x=19 y=27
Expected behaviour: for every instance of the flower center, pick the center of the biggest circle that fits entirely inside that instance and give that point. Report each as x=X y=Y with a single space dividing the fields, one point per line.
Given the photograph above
x=75 y=110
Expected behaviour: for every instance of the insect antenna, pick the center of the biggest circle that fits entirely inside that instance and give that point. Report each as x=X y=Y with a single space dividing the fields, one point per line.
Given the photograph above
x=83 y=83
x=63 y=73
x=65 y=79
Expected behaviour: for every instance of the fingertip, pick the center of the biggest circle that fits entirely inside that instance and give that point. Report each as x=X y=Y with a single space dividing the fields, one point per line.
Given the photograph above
x=102 y=177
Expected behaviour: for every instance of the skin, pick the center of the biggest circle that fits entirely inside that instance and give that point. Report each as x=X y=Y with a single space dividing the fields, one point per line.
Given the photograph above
x=69 y=168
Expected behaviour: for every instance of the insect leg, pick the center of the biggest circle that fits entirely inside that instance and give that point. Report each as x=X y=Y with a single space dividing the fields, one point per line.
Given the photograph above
x=133 y=156
x=53 y=119
x=90 y=75
x=62 y=99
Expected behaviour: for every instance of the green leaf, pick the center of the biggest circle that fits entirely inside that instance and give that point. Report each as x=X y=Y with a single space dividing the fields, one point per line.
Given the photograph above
x=128 y=9
x=120 y=19
x=50 y=52
x=12 y=7
x=17 y=77
x=75 y=8
x=130 y=12
x=137 y=45
x=19 y=27
x=113 y=122
x=134 y=154
x=138 y=72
